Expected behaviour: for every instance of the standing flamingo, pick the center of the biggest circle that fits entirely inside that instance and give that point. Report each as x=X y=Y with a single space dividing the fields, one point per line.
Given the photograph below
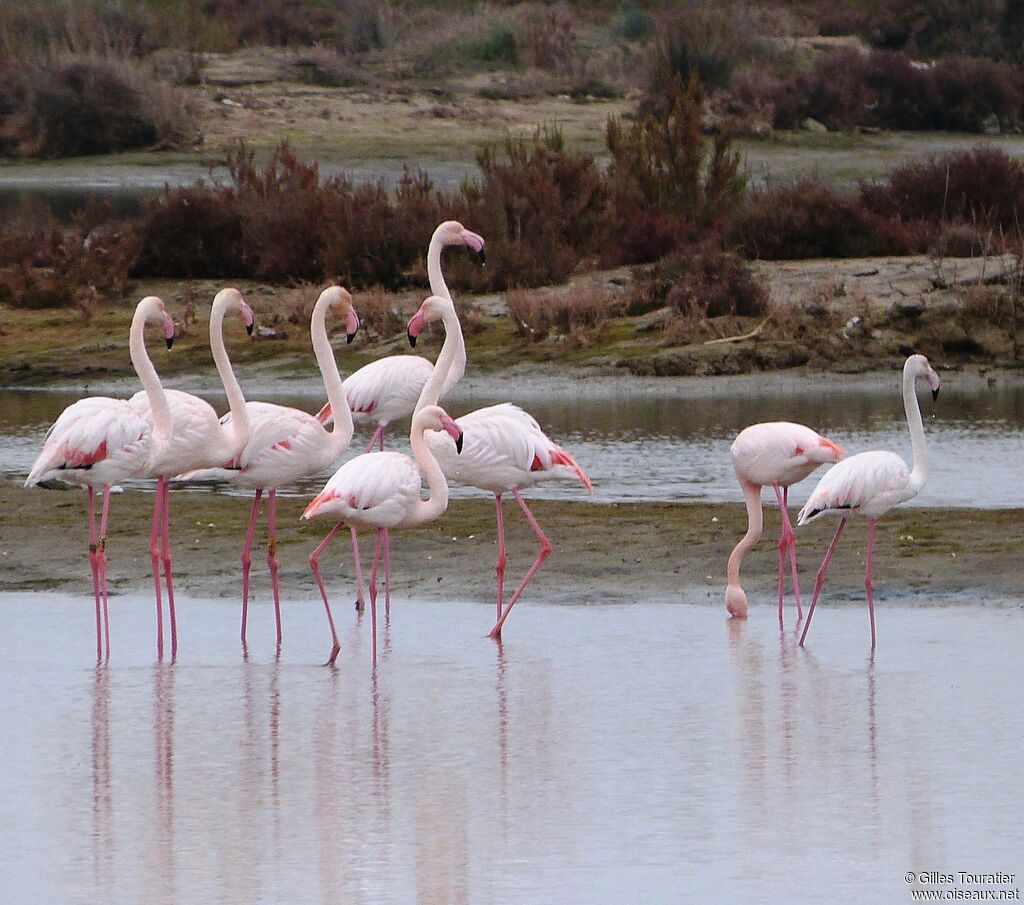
x=99 y=441
x=382 y=491
x=387 y=389
x=286 y=444
x=195 y=439
x=872 y=483
x=506 y=451
x=778 y=453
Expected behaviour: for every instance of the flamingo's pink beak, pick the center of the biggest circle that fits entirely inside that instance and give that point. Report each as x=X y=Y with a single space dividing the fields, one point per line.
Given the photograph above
x=248 y=318
x=475 y=243
x=453 y=430
x=934 y=383
x=168 y=328
x=351 y=324
x=836 y=449
x=415 y=327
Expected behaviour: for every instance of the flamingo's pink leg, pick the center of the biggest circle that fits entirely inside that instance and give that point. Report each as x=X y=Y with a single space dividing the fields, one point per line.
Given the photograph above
x=94 y=564
x=377 y=437
x=103 y=567
x=272 y=560
x=499 y=566
x=869 y=584
x=373 y=592
x=154 y=555
x=247 y=559
x=792 y=553
x=387 y=574
x=783 y=544
x=314 y=564
x=360 y=598
x=542 y=554
x=820 y=580
x=168 y=574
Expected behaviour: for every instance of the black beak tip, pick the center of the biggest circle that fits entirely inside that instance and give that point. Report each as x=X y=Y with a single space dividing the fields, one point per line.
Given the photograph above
x=170 y=341
x=249 y=328
x=458 y=443
x=483 y=255
x=349 y=337
x=412 y=340
x=935 y=394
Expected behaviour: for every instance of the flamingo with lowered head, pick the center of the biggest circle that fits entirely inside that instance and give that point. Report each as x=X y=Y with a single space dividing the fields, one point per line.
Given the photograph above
x=381 y=490
x=100 y=441
x=286 y=444
x=776 y=453
x=387 y=389
x=506 y=451
x=195 y=439
x=872 y=483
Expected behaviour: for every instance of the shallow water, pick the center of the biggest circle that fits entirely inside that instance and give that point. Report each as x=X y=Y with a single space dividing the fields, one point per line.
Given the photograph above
x=654 y=446
x=642 y=753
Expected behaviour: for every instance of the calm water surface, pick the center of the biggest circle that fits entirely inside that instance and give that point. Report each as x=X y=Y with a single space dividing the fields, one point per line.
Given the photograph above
x=644 y=447
x=641 y=753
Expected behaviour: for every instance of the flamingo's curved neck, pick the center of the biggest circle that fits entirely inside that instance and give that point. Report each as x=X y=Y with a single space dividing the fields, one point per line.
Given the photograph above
x=159 y=407
x=755 y=522
x=436 y=503
x=912 y=407
x=455 y=368
x=237 y=429
x=341 y=432
x=450 y=364
x=437 y=284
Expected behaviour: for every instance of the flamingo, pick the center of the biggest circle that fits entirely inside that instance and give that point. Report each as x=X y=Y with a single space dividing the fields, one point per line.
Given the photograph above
x=872 y=483
x=381 y=490
x=506 y=450
x=100 y=441
x=778 y=453
x=387 y=389
x=286 y=444
x=195 y=439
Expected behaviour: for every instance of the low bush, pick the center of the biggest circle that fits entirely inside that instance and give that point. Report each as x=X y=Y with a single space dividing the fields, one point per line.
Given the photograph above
x=808 y=220
x=887 y=89
x=80 y=105
x=701 y=281
x=983 y=187
x=573 y=313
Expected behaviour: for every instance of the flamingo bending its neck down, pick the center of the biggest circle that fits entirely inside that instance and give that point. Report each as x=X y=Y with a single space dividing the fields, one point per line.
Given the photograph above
x=286 y=444
x=775 y=453
x=872 y=483
x=505 y=451
x=189 y=436
x=387 y=389
x=382 y=491
x=100 y=441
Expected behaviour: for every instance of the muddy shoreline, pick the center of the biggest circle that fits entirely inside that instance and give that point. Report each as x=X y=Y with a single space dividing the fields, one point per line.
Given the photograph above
x=602 y=553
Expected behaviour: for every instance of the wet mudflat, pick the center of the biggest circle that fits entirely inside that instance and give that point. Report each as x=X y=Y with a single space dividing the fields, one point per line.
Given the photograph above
x=642 y=752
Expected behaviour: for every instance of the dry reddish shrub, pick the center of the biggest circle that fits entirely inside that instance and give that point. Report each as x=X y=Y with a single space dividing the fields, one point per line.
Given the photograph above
x=76 y=105
x=808 y=220
x=665 y=181
x=384 y=314
x=845 y=89
x=579 y=310
x=702 y=281
x=983 y=186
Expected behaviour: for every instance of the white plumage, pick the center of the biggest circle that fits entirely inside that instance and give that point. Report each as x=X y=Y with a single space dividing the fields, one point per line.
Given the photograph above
x=869 y=484
x=95 y=441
